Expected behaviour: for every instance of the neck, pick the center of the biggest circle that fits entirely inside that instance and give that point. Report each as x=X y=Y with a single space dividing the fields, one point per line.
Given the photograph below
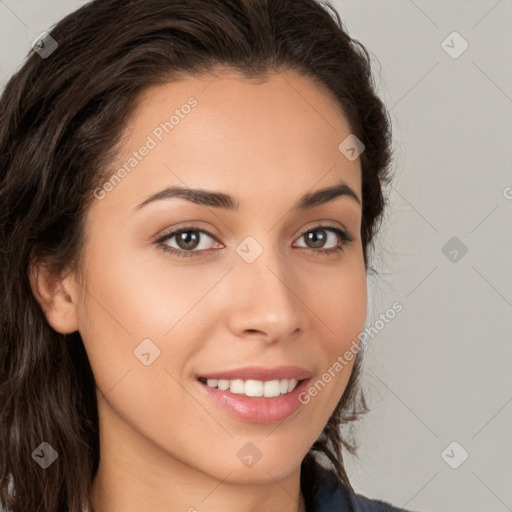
x=116 y=491
x=134 y=474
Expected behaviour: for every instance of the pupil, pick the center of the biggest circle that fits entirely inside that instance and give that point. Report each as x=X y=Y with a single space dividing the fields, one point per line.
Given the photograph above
x=184 y=240
x=317 y=240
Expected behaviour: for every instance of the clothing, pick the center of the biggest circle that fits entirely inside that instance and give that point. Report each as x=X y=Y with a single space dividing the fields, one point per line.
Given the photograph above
x=326 y=494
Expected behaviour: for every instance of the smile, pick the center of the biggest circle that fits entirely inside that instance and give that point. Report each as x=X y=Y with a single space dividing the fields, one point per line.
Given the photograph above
x=255 y=401
x=253 y=388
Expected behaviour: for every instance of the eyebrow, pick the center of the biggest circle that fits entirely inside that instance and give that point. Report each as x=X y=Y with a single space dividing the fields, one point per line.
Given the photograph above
x=225 y=201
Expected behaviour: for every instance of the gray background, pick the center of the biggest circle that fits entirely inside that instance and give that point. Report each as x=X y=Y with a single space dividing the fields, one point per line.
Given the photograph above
x=439 y=372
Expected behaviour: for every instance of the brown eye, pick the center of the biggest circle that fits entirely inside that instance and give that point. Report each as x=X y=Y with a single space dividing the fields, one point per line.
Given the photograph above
x=190 y=241
x=318 y=237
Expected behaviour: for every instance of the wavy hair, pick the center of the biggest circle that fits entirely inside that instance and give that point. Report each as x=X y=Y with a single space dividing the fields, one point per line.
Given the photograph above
x=61 y=118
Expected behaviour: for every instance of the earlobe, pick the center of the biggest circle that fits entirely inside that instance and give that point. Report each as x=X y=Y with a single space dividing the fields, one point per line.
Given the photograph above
x=56 y=295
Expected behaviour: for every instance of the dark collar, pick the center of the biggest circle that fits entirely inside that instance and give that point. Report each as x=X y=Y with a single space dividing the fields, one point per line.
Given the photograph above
x=321 y=489
x=323 y=492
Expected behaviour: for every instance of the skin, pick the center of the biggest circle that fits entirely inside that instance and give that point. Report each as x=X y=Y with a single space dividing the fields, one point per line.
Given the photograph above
x=164 y=444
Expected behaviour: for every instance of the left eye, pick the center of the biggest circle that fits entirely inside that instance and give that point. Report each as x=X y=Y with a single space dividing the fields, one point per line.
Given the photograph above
x=318 y=241
x=189 y=241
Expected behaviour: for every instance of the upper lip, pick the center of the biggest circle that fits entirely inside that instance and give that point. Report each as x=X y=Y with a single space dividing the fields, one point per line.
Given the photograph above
x=260 y=373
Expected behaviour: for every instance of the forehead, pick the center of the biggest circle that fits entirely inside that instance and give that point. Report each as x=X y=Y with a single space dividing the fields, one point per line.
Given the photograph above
x=228 y=131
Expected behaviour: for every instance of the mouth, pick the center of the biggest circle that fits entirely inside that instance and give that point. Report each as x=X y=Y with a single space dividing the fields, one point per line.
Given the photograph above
x=253 y=387
x=255 y=401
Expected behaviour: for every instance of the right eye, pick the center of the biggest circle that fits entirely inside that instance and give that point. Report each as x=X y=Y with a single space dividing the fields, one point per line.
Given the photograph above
x=188 y=240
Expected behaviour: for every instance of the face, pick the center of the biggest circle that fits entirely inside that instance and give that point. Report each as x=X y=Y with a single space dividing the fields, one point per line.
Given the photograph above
x=253 y=281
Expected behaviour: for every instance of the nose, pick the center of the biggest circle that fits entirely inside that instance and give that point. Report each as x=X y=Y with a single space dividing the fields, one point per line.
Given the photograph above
x=265 y=299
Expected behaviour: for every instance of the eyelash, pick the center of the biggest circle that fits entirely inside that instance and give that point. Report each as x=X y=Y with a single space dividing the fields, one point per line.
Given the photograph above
x=346 y=238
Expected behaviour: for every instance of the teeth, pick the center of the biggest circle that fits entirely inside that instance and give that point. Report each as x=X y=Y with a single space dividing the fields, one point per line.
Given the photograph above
x=267 y=389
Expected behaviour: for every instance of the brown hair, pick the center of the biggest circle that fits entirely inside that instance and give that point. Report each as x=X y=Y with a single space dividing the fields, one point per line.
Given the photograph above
x=60 y=119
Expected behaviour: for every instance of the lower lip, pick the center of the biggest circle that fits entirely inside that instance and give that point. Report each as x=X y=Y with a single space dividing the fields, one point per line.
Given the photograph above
x=257 y=409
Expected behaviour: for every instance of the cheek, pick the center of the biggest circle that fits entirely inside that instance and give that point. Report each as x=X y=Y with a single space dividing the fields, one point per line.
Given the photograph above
x=139 y=312
x=341 y=307
x=139 y=334
x=338 y=296
x=142 y=298
x=344 y=305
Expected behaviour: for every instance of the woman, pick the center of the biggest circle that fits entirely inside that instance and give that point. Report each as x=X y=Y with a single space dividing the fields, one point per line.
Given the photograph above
x=188 y=196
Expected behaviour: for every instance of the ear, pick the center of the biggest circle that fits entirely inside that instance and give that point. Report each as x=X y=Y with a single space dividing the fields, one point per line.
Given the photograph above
x=56 y=295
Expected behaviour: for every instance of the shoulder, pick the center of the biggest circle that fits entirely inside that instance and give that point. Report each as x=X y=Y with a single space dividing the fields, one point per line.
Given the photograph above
x=327 y=494
x=361 y=503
